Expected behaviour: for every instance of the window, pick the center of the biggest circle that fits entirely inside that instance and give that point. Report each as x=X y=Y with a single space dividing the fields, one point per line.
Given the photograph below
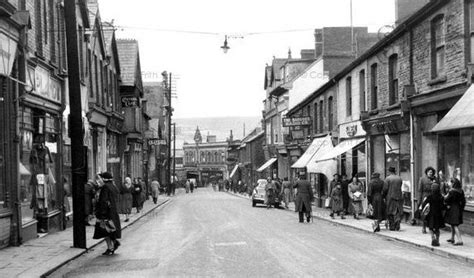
x=96 y=76
x=321 y=116
x=330 y=114
x=308 y=113
x=52 y=35
x=89 y=65
x=39 y=29
x=315 y=117
x=362 y=89
x=45 y=22
x=471 y=29
x=216 y=157
x=393 y=79
x=348 y=96
x=373 y=87
x=437 y=46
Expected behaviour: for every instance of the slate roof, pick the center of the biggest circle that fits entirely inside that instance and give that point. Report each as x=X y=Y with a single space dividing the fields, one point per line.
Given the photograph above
x=128 y=55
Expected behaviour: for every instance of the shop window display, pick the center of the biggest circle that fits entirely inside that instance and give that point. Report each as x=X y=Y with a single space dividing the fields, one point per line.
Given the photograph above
x=467 y=165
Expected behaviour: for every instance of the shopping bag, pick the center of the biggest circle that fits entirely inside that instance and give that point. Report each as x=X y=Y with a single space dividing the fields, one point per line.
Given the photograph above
x=327 y=203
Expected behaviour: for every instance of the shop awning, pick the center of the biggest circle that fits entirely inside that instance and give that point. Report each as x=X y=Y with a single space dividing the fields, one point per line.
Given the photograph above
x=313 y=149
x=327 y=167
x=24 y=171
x=460 y=116
x=234 y=170
x=341 y=148
x=266 y=165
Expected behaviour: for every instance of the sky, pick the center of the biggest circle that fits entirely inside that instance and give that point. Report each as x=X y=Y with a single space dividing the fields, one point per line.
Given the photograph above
x=184 y=37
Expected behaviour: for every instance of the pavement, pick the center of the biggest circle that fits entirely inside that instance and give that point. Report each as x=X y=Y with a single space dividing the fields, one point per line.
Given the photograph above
x=41 y=256
x=409 y=234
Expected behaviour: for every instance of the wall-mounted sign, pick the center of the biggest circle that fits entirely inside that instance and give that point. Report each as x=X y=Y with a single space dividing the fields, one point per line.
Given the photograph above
x=130 y=102
x=156 y=142
x=297 y=121
x=42 y=83
x=297 y=134
x=352 y=129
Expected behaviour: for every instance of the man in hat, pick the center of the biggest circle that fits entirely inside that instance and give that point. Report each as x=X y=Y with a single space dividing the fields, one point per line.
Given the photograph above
x=336 y=180
x=393 y=195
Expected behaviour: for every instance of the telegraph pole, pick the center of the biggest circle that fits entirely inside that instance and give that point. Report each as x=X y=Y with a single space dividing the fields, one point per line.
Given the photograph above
x=75 y=117
x=174 y=149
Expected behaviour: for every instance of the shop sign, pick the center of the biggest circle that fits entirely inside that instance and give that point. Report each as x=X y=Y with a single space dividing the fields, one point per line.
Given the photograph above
x=130 y=102
x=156 y=142
x=43 y=85
x=352 y=129
x=297 y=134
x=7 y=54
x=297 y=121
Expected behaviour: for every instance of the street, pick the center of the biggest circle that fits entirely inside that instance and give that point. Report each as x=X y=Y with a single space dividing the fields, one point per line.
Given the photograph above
x=217 y=234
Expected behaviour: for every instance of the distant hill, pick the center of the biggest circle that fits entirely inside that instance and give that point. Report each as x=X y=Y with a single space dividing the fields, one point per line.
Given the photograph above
x=218 y=126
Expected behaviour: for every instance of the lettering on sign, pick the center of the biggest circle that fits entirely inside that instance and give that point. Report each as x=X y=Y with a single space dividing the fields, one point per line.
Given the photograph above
x=351 y=130
x=156 y=142
x=298 y=121
x=130 y=102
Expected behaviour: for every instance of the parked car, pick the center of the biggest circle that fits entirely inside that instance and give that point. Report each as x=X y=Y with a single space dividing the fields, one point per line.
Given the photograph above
x=259 y=194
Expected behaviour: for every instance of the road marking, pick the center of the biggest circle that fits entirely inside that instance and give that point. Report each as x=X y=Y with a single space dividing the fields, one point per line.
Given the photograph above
x=236 y=243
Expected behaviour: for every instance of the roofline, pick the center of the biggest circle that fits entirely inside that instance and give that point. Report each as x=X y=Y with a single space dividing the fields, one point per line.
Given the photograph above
x=401 y=29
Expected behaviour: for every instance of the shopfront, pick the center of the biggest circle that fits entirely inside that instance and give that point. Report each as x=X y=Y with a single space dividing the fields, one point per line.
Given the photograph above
x=389 y=145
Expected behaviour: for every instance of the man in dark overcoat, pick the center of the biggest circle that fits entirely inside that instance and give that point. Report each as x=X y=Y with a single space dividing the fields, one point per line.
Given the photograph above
x=304 y=197
x=345 y=193
x=394 y=198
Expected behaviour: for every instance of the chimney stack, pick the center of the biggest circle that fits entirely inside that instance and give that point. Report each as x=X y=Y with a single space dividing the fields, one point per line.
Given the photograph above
x=318 y=40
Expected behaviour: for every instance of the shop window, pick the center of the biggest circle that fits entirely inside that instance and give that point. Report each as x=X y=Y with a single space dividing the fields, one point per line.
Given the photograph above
x=405 y=168
x=377 y=158
x=3 y=141
x=467 y=165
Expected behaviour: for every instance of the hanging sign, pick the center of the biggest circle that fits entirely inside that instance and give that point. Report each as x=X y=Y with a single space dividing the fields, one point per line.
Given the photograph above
x=297 y=121
x=130 y=102
x=156 y=142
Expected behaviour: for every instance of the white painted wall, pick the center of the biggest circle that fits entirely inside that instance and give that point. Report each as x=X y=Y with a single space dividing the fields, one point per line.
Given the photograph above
x=308 y=82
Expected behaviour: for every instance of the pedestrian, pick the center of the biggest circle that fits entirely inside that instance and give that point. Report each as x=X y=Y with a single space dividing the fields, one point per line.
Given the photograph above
x=345 y=193
x=356 y=196
x=191 y=186
x=286 y=192
x=155 y=190
x=424 y=188
x=89 y=194
x=455 y=202
x=270 y=191
x=336 y=200
x=126 y=198
x=392 y=193
x=443 y=183
x=144 y=193
x=335 y=180
x=375 y=198
x=187 y=186
x=434 y=219
x=108 y=221
x=304 y=197
x=137 y=195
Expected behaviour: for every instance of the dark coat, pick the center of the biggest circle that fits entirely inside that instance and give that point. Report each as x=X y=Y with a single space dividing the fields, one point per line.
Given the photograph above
x=89 y=193
x=345 y=193
x=137 y=195
x=455 y=202
x=375 y=198
x=393 y=194
x=304 y=196
x=424 y=187
x=435 y=219
x=126 y=199
x=336 y=198
x=107 y=210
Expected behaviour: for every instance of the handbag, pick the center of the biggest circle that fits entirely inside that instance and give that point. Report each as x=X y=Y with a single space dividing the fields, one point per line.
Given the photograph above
x=357 y=196
x=425 y=211
x=107 y=225
x=370 y=211
x=327 y=202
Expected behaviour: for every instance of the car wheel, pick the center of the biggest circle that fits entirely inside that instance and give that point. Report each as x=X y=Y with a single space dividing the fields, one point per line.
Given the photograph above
x=254 y=204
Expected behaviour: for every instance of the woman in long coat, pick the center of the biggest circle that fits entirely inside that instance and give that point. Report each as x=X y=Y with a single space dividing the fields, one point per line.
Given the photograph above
x=424 y=188
x=434 y=219
x=455 y=202
x=155 y=190
x=336 y=200
x=304 y=197
x=355 y=195
x=137 y=195
x=126 y=199
x=107 y=210
x=375 y=198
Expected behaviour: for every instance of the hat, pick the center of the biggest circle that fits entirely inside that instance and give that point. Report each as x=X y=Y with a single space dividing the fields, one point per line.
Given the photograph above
x=391 y=169
x=106 y=176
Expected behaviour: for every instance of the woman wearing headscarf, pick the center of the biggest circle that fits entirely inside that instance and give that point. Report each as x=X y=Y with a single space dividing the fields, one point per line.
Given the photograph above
x=434 y=219
x=455 y=201
x=137 y=195
x=355 y=195
x=107 y=215
x=126 y=199
x=424 y=188
x=375 y=198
